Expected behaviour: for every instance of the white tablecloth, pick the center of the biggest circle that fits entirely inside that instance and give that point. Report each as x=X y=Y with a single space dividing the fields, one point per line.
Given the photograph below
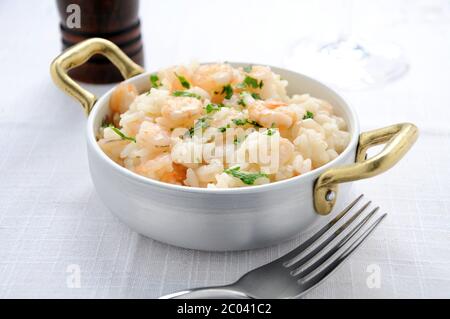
x=52 y=223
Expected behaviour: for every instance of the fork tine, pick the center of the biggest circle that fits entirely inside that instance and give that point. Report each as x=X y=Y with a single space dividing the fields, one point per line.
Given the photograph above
x=295 y=252
x=335 y=248
x=310 y=283
x=297 y=261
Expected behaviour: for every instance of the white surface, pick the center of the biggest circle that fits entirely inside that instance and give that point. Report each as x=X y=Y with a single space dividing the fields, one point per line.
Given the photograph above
x=51 y=217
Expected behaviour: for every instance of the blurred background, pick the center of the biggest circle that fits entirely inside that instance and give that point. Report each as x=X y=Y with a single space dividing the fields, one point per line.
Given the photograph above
x=414 y=35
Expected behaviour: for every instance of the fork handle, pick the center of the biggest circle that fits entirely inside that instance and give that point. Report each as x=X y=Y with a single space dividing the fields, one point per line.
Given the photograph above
x=219 y=292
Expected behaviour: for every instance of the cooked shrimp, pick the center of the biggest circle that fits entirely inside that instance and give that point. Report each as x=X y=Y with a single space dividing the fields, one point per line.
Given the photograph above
x=213 y=77
x=272 y=86
x=113 y=148
x=177 y=176
x=122 y=97
x=170 y=77
x=268 y=114
x=132 y=128
x=157 y=167
x=275 y=104
x=260 y=72
x=153 y=137
x=181 y=111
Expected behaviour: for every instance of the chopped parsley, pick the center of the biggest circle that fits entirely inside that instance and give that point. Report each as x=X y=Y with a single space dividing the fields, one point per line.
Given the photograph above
x=186 y=94
x=254 y=123
x=200 y=124
x=240 y=121
x=248 y=68
x=238 y=140
x=223 y=128
x=211 y=107
x=241 y=102
x=256 y=96
x=191 y=131
x=183 y=81
x=242 y=97
x=308 y=115
x=122 y=136
x=271 y=131
x=154 y=80
x=246 y=177
x=251 y=83
x=228 y=91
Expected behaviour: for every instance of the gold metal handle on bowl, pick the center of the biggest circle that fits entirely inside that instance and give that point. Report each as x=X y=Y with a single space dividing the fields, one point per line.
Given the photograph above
x=398 y=138
x=79 y=54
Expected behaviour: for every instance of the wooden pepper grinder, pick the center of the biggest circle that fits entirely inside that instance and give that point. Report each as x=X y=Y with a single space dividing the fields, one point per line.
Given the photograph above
x=115 y=20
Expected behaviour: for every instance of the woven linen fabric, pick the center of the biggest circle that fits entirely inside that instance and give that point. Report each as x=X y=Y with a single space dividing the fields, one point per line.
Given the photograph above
x=58 y=240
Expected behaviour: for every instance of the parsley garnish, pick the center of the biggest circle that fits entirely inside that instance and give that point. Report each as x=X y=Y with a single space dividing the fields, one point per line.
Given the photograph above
x=228 y=90
x=240 y=121
x=271 y=131
x=308 y=115
x=242 y=102
x=254 y=123
x=251 y=82
x=223 y=128
x=211 y=107
x=256 y=96
x=183 y=81
x=200 y=124
x=154 y=79
x=245 y=177
x=186 y=94
x=122 y=136
x=248 y=68
x=242 y=97
x=237 y=140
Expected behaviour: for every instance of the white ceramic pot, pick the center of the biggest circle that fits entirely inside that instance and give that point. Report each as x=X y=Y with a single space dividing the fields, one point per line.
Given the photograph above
x=225 y=219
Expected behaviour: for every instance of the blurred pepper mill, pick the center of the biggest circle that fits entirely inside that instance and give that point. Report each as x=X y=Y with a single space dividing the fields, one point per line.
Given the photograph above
x=115 y=20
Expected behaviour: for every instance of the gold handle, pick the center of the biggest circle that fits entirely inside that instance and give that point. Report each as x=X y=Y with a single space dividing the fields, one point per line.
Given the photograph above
x=79 y=54
x=399 y=139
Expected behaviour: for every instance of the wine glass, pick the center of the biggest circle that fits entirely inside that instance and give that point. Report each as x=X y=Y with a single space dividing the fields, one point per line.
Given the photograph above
x=348 y=62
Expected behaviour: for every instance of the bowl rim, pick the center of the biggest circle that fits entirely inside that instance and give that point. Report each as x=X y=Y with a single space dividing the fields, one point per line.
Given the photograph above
x=126 y=173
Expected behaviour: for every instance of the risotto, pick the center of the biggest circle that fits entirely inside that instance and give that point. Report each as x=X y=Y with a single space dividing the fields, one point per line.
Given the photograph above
x=218 y=126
